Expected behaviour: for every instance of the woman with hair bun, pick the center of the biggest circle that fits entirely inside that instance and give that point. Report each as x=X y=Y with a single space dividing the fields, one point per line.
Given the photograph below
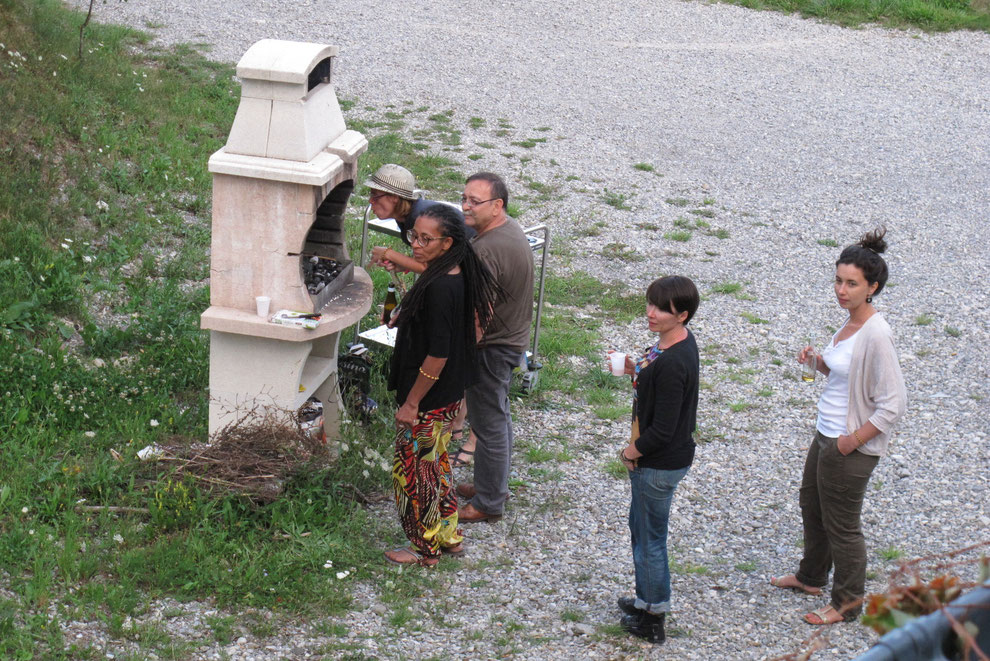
x=864 y=397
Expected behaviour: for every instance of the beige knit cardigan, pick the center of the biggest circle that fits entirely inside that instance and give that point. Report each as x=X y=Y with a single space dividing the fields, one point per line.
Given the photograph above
x=876 y=385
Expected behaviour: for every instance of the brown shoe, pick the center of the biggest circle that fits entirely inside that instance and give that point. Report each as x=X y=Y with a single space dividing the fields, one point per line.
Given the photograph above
x=466 y=491
x=469 y=514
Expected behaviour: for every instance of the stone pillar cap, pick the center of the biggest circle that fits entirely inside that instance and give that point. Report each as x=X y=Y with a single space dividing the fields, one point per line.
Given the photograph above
x=283 y=61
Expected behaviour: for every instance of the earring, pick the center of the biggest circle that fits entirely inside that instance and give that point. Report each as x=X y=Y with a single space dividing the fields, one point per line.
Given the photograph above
x=869 y=299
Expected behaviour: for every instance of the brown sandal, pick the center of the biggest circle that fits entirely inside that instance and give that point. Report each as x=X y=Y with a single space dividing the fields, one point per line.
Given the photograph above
x=797 y=586
x=411 y=557
x=823 y=616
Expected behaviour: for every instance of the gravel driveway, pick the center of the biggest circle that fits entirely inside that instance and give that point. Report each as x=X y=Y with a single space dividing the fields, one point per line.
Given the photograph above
x=784 y=137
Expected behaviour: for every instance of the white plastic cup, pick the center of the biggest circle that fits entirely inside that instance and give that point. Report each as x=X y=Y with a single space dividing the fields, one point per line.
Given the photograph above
x=263 y=303
x=618 y=363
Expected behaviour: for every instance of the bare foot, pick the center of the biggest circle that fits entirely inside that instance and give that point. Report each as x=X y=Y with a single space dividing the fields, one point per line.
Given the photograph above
x=790 y=582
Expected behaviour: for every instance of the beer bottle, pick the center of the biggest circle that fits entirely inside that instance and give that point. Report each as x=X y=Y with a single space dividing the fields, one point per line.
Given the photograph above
x=390 y=303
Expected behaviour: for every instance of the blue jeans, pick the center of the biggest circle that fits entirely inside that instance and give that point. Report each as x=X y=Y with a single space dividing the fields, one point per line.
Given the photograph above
x=649 y=511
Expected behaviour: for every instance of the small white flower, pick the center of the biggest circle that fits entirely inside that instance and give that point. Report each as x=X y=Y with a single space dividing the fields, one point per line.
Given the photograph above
x=88 y=259
x=24 y=510
x=344 y=447
x=328 y=564
x=90 y=434
x=153 y=423
x=65 y=245
x=365 y=473
x=341 y=575
x=118 y=538
x=68 y=240
x=31 y=531
x=63 y=57
x=102 y=206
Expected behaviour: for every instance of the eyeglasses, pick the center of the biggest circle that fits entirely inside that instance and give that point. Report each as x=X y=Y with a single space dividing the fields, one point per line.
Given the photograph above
x=377 y=195
x=424 y=241
x=465 y=202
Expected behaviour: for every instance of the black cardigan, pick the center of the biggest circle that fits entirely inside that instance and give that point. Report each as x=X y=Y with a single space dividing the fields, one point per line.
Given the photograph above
x=667 y=407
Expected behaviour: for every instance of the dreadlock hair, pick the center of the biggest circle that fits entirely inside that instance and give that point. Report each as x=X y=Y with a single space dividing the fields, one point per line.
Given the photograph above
x=480 y=287
x=865 y=255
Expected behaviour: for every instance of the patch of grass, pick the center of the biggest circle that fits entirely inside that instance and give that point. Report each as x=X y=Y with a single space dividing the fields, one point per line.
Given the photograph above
x=539 y=455
x=952 y=331
x=647 y=226
x=719 y=233
x=927 y=15
x=611 y=411
x=476 y=122
x=594 y=229
x=829 y=243
x=475 y=157
x=924 y=320
x=616 y=200
x=528 y=143
x=571 y=615
x=739 y=407
x=616 y=469
x=726 y=288
x=678 y=235
x=486 y=145
x=644 y=167
x=621 y=252
x=706 y=213
x=678 y=201
x=688 y=568
x=746 y=566
x=753 y=319
x=891 y=553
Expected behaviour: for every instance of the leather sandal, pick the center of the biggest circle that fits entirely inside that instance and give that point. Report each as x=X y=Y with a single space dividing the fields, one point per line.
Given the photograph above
x=462 y=458
x=796 y=585
x=454 y=551
x=470 y=514
x=823 y=616
x=409 y=556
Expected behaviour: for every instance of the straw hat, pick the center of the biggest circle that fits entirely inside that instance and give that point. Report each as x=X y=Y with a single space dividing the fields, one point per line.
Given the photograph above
x=394 y=179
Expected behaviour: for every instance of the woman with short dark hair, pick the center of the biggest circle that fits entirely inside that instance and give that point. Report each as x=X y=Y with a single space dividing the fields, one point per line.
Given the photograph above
x=431 y=365
x=661 y=447
x=863 y=398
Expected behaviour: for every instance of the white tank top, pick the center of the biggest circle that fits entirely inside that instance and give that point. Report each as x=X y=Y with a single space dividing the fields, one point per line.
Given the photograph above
x=833 y=405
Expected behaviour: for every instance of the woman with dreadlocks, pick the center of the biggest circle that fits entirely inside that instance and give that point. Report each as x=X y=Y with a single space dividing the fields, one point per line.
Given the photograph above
x=431 y=366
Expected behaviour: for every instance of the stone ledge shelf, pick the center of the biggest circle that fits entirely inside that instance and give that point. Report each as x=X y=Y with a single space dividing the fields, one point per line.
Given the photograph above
x=352 y=303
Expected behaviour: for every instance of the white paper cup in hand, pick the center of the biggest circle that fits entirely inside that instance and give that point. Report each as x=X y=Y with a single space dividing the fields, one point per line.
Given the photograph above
x=618 y=363
x=263 y=303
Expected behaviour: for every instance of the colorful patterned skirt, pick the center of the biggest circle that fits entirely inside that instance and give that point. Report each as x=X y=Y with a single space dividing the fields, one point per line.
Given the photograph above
x=424 y=483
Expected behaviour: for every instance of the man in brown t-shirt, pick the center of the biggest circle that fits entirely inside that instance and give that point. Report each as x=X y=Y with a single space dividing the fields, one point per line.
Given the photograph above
x=502 y=245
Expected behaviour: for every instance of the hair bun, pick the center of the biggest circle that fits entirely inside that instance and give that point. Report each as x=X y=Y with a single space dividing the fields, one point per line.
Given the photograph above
x=874 y=240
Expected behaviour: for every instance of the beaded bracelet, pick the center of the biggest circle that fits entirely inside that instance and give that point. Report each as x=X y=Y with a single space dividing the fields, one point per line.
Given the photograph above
x=428 y=376
x=859 y=441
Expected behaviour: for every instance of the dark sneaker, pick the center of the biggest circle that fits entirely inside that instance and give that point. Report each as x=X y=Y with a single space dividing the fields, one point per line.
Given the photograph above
x=646 y=626
x=628 y=606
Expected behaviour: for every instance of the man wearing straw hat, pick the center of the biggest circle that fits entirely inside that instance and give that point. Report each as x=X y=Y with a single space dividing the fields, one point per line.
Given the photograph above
x=393 y=194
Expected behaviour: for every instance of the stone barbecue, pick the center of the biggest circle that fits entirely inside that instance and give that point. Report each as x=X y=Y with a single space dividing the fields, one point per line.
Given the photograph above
x=280 y=190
